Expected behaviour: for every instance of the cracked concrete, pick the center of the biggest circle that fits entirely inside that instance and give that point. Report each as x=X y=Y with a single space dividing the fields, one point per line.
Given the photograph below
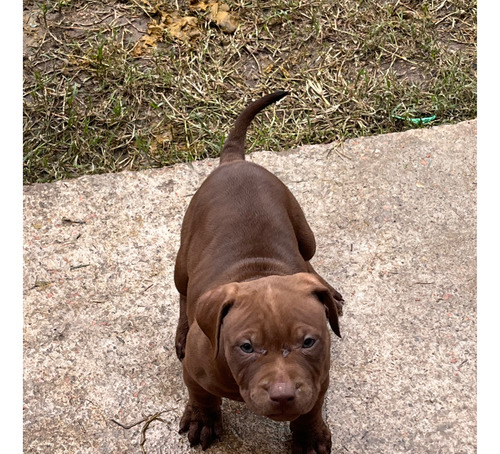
x=395 y=223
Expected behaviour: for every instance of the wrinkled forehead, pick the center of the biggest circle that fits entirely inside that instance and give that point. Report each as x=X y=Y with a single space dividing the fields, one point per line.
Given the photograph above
x=270 y=308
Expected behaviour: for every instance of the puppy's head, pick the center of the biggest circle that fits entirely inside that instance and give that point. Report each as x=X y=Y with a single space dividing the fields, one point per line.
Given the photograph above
x=273 y=335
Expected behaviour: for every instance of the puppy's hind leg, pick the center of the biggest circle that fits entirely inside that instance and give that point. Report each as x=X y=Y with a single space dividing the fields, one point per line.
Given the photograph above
x=182 y=329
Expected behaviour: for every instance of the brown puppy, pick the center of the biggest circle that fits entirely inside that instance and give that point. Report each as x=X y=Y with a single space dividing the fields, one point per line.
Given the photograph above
x=253 y=312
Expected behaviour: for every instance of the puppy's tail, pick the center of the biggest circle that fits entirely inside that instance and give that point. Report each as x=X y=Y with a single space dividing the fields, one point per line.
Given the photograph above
x=234 y=146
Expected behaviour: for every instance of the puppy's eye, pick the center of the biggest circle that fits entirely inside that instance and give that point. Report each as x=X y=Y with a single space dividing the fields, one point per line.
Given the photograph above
x=308 y=342
x=247 y=347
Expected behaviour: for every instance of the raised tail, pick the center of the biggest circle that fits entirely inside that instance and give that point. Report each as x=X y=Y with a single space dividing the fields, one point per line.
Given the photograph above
x=234 y=146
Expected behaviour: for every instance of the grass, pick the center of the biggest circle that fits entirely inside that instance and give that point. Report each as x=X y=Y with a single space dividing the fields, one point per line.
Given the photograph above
x=93 y=103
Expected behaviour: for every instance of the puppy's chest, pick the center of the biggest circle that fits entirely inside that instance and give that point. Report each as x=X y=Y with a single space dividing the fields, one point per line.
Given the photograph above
x=218 y=384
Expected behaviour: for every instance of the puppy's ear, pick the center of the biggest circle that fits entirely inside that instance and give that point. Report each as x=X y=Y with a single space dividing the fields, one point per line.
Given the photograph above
x=328 y=296
x=211 y=309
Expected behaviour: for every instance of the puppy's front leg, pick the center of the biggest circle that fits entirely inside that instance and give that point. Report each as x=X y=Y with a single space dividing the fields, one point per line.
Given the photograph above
x=202 y=418
x=310 y=434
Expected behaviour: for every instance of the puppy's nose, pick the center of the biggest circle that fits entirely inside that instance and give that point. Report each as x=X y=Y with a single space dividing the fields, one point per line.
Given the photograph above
x=282 y=393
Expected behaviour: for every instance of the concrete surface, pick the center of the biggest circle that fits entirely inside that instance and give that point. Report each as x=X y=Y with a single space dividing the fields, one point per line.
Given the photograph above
x=394 y=218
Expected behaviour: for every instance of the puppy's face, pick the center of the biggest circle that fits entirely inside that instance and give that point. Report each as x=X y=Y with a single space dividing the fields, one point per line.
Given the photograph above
x=274 y=337
x=278 y=351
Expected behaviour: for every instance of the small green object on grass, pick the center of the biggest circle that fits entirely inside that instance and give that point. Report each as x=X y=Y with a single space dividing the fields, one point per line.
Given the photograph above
x=417 y=121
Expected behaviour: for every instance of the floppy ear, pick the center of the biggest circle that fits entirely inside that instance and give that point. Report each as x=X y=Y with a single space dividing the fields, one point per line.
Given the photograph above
x=211 y=309
x=323 y=292
x=326 y=297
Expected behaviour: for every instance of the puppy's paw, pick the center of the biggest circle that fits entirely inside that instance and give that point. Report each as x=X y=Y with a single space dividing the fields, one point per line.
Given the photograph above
x=203 y=425
x=317 y=440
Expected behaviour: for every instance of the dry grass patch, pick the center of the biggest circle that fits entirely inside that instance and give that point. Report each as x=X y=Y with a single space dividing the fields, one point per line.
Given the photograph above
x=133 y=84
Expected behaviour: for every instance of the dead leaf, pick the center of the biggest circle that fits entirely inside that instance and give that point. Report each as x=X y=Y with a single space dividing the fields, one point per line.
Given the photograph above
x=147 y=4
x=153 y=35
x=223 y=18
x=199 y=5
x=220 y=14
x=268 y=68
x=162 y=139
x=184 y=28
x=285 y=73
x=226 y=22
